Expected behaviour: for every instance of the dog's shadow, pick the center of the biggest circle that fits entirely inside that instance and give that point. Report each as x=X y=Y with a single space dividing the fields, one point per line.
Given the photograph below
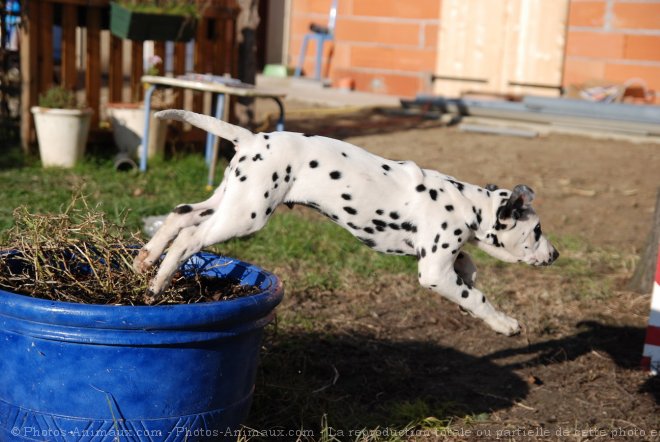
x=358 y=381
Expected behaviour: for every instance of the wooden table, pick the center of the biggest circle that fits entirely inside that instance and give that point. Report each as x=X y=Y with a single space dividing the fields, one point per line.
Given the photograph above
x=221 y=87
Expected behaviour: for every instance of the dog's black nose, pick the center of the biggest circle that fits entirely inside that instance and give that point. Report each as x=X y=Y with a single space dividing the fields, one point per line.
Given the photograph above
x=555 y=255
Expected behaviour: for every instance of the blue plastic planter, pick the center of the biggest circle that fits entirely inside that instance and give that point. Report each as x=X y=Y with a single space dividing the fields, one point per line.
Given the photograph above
x=76 y=372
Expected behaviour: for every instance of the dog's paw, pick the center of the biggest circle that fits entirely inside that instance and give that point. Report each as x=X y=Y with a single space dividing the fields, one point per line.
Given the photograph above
x=140 y=263
x=149 y=298
x=504 y=324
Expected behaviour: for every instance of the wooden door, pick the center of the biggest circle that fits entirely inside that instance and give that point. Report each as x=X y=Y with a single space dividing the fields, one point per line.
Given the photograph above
x=501 y=46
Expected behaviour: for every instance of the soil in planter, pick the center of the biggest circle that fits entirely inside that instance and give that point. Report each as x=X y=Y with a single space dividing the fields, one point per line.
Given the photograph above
x=80 y=256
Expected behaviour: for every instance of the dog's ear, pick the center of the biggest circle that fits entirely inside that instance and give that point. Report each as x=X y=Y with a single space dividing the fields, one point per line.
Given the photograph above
x=519 y=201
x=491 y=187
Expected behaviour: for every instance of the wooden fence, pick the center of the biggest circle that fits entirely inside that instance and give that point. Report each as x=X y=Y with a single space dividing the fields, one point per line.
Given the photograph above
x=89 y=59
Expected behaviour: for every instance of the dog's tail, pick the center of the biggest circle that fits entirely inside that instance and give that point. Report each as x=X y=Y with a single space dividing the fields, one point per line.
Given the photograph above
x=235 y=134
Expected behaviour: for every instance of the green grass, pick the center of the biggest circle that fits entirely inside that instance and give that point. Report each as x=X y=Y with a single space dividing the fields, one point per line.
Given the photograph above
x=138 y=195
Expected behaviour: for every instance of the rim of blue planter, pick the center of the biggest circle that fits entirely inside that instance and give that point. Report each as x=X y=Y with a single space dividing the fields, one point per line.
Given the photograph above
x=150 y=325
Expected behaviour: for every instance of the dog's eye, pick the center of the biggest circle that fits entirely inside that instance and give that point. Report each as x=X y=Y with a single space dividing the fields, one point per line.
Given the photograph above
x=537 y=232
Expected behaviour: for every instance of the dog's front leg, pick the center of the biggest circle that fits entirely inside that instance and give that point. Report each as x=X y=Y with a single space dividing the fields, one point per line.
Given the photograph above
x=439 y=275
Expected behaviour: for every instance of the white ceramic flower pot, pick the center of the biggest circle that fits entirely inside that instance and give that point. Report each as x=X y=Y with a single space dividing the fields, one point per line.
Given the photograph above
x=127 y=121
x=62 y=135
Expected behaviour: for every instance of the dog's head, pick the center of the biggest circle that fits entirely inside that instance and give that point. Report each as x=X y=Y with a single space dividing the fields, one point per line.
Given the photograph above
x=516 y=235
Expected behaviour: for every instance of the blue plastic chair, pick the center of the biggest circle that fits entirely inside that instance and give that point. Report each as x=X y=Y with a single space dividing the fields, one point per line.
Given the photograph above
x=321 y=34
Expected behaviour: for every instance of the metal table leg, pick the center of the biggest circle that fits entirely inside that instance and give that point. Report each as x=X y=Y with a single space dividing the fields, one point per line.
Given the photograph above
x=147 y=120
x=210 y=138
x=211 y=145
x=279 y=126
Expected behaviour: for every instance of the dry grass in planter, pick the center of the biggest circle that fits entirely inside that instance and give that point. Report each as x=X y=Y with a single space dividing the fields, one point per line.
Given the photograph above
x=79 y=256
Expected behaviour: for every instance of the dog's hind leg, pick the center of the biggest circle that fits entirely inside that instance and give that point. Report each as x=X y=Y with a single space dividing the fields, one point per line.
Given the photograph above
x=183 y=216
x=228 y=222
x=240 y=210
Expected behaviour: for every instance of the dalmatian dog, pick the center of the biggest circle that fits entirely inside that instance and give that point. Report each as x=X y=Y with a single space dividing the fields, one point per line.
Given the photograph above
x=394 y=207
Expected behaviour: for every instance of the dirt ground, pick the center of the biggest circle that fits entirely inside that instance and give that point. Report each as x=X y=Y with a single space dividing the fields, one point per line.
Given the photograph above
x=391 y=352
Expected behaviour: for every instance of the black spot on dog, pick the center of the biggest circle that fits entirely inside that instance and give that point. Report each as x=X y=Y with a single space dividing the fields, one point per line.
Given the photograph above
x=465 y=294
x=407 y=226
x=288 y=168
x=434 y=248
x=346 y=196
x=408 y=243
x=253 y=215
x=367 y=241
x=243 y=178
x=394 y=215
x=352 y=226
x=257 y=157
x=335 y=175
x=496 y=241
x=180 y=210
x=483 y=299
x=385 y=167
x=457 y=232
x=477 y=212
x=394 y=226
x=449 y=208
x=266 y=136
x=313 y=164
x=238 y=172
x=343 y=154
x=420 y=188
x=423 y=252
x=458 y=185
x=537 y=232
x=444 y=226
x=369 y=230
x=268 y=211
x=379 y=223
x=380 y=212
x=207 y=212
x=445 y=245
x=437 y=238
x=275 y=176
x=241 y=159
x=434 y=194
x=287 y=178
x=459 y=281
x=350 y=210
x=266 y=195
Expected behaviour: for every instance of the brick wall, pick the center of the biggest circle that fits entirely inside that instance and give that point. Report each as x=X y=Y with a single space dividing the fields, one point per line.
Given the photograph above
x=385 y=46
x=389 y=46
x=615 y=40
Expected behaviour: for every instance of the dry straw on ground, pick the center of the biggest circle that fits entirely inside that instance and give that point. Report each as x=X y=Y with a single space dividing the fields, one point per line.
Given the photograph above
x=79 y=256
